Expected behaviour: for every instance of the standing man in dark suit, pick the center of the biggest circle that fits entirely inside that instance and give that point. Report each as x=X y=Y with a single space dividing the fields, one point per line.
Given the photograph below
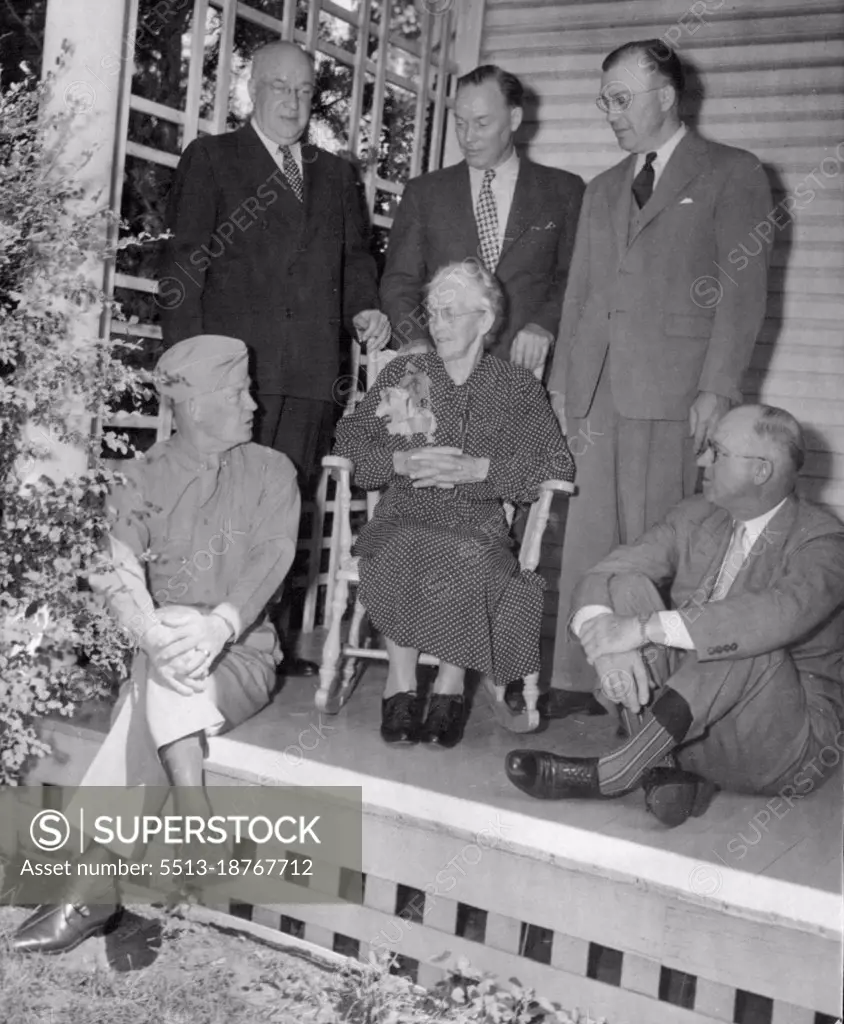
x=517 y=217
x=270 y=245
x=660 y=317
x=748 y=670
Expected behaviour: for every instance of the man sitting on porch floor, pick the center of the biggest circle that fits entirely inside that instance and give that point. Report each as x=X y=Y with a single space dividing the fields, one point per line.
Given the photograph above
x=749 y=663
x=214 y=519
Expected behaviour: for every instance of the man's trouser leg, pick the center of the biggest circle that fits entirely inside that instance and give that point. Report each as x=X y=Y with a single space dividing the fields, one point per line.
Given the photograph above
x=629 y=474
x=149 y=715
x=302 y=429
x=755 y=722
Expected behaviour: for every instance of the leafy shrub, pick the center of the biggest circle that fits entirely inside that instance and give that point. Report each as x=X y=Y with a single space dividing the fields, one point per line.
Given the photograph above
x=57 y=376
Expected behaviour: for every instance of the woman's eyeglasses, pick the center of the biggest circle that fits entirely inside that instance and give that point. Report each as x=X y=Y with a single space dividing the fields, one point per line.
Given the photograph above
x=447 y=315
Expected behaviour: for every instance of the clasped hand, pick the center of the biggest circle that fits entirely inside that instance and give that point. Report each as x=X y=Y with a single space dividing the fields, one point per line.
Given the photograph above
x=183 y=644
x=373 y=329
x=611 y=644
x=440 y=466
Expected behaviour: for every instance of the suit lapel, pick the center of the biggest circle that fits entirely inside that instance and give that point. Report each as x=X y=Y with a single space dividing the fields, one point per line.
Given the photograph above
x=524 y=210
x=687 y=161
x=622 y=185
x=767 y=550
x=460 y=209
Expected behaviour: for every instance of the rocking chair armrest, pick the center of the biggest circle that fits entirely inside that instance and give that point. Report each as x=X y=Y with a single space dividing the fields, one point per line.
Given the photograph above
x=339 y=463
x=563 y=486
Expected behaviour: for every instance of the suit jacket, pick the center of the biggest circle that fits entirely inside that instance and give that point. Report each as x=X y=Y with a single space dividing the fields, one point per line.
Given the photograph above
x=788 y=594
x=435 y=225
x=249 y=260
x=679 y=299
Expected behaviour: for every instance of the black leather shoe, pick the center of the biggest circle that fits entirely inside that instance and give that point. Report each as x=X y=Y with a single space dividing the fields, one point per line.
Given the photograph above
x=298 y=667
x=548 y=776
x=673 y=795
x=444 y=722
x=58 y=928
x=401 y=718
x=554 y=703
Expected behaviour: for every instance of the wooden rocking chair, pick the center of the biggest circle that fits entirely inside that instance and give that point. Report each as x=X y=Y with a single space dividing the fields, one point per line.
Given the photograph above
x=341 y=662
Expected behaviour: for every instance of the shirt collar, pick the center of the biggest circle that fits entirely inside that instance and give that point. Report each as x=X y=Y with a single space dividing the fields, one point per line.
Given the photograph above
x=755 y=527
x=272 y=147
x=509 y=169
x=663 y=154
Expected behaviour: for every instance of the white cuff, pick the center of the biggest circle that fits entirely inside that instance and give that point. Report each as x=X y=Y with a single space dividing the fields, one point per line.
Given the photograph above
x=676 y=634
x=584 y=614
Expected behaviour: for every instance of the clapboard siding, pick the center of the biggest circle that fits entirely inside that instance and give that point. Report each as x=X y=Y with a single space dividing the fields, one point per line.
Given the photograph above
x=771 y=79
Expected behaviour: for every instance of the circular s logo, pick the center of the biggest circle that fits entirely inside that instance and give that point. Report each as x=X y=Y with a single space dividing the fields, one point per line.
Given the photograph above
x=49 y=830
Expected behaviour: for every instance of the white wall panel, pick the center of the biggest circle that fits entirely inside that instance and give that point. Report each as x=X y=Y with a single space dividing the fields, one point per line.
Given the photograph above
x=771 y=76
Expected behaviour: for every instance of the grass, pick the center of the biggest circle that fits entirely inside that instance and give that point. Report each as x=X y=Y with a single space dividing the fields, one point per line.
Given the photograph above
x=158 y=968
x=161 y=967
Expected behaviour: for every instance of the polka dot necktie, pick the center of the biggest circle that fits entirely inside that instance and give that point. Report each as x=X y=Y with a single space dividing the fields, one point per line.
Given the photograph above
x=486 y=214
x=643 y=183
x=290 y=169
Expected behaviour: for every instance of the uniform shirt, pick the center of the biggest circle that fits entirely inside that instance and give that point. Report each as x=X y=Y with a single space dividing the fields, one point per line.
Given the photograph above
x=210 y=529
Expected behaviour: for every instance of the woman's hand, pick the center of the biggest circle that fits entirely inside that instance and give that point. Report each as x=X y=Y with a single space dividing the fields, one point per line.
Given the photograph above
x=402 y=465
x=431 y=467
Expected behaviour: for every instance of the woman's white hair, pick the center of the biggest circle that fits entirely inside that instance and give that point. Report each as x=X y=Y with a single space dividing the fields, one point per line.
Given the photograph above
x=470 y=272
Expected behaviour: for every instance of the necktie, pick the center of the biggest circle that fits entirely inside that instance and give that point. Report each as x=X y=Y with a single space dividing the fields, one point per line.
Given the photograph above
x=643 y=183
x=486 y=214
x=290 y=169
x=733 y=561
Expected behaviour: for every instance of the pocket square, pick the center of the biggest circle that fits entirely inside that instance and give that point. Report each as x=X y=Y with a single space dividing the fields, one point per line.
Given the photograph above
x=686 y=200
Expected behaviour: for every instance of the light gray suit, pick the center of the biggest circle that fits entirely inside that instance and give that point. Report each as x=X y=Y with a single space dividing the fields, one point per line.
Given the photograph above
x=765 y=683
x=662 y=303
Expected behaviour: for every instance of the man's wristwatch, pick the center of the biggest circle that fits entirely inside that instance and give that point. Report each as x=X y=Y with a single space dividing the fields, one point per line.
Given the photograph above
x=644 y=619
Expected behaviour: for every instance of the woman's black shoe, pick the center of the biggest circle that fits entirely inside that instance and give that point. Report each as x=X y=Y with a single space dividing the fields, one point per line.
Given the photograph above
x=444 y=722
x=401 y=718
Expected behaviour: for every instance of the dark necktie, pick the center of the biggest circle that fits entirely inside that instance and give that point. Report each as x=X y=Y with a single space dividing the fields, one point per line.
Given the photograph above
x=643 y=183
x=290 y=169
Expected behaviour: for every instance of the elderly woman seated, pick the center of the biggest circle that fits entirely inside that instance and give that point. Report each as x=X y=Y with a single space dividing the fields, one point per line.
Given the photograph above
x=450 y=436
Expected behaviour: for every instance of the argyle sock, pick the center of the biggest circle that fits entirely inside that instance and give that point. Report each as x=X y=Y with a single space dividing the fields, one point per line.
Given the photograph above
x=659 y=731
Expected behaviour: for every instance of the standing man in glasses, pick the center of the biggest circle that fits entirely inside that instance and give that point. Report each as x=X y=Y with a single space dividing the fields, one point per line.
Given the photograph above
x=270 y=245
x=666 y=295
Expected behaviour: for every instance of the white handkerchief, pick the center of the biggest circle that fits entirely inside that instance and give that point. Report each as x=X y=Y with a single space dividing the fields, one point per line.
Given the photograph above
x=686 y=200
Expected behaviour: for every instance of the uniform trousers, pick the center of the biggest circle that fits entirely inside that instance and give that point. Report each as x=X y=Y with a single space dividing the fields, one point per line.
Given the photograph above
x=149 y=715
x=629 y=474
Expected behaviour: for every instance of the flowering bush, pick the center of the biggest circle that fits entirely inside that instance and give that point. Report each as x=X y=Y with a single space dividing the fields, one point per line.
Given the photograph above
x=56 y=377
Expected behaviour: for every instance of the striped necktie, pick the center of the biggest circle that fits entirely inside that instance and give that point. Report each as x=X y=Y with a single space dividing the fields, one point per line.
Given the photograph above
x=733 y=561
x=486 y=214
x=290 y=169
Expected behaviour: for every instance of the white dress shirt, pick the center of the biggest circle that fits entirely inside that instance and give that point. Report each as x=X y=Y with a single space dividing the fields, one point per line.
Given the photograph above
x=503 y=188
x=663 y=155
x=272 y=148
x=676 y=634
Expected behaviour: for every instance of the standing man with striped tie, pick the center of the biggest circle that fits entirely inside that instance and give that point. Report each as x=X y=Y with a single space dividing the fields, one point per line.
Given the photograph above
x=496 y=207
x=666 y=296
x=270 y=245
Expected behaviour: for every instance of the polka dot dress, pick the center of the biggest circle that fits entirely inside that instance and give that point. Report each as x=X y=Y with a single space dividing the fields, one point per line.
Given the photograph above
x=438 y=570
